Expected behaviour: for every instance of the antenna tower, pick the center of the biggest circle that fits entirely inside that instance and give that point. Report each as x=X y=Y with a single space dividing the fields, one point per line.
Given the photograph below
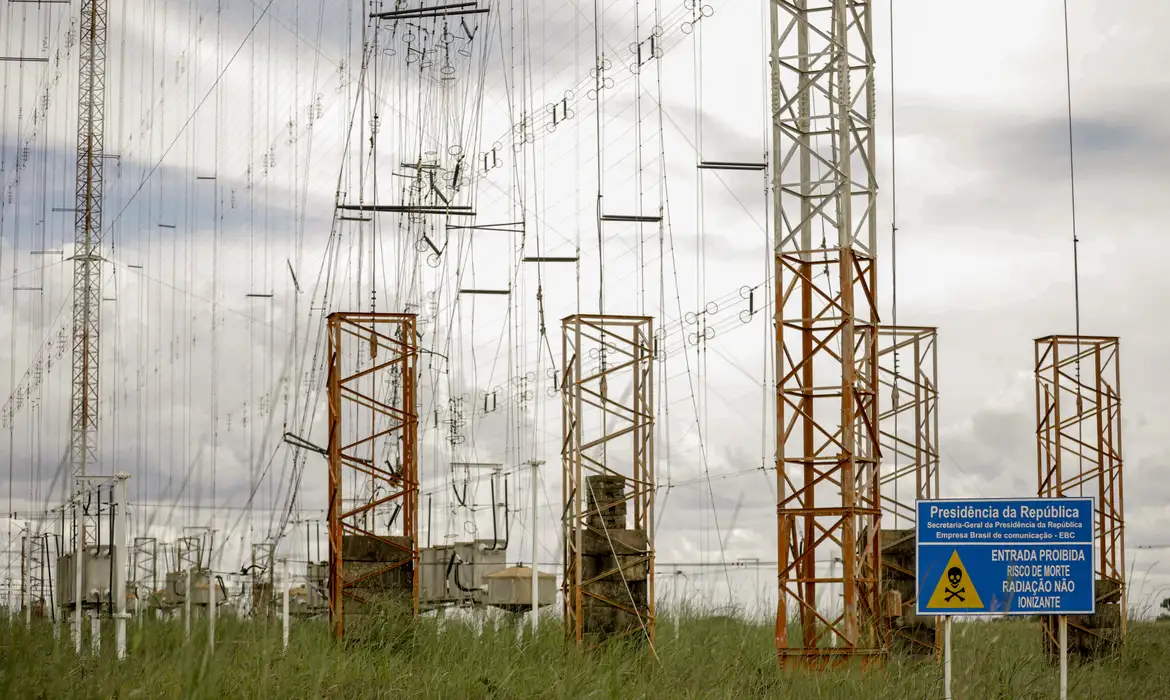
x=908 y=375
x=91 y=104
x=608 y=461
x=1078 y=450
x=373 y=462
x=824 y=187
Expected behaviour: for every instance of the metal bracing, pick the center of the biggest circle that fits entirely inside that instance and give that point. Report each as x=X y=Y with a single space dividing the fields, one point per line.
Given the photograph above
x=39 y=574
x=91 y=104
x=263 y=560
x=189 y=554
x=1078 y=449
x=144 y=565
x=608 y=428
x=87 y=296
x=263 y=578
x=373 y=456
x=824 y=195
x=908 y=416
x=189 y=549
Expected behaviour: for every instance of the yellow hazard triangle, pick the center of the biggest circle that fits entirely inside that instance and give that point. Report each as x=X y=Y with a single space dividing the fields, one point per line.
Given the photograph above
x=954 y=591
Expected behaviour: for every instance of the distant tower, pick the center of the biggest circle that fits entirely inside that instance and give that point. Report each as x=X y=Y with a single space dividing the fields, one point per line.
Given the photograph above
x=87 y=261
x=908 y=415
x=825 y=194
x=1078 y=447
x=608 y=484
x=91 y=104
x=373 y=463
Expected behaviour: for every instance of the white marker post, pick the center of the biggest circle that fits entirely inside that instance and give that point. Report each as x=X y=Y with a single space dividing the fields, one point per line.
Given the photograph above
x=56 y=609
x=674 y=603
x=1063 y=657
x=95 y=631
x=120 y=548
x=78 y=555
x=211 y=599
x=832 y=602
x=187 y=606
x=211 y=593
x=26 y=575
x=946 y=657
x=285 y=576
x=534 y=463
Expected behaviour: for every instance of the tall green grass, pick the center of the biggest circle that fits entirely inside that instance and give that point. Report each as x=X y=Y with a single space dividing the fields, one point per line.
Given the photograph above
x=711 y=658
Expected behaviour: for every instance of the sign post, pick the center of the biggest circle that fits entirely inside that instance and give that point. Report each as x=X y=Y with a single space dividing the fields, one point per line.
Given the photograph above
x=1063 y=657
x=1027 y=556
x=946 y=657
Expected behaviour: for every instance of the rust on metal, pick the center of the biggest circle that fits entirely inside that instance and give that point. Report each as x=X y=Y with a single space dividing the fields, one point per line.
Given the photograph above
x=908 y=416
x=829 y=497
x=608 y=461
x=1078 y=450
x=373 y=459
x=824 y=198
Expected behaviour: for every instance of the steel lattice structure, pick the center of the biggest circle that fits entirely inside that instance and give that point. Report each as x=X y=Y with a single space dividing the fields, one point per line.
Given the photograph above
x=372 y=414
x=263 y=577
x=144 y=566
x=193 y=550
x=824 y=187
x=189 y=553
x=36 y=593
x=608 y=427
x=908 y=416
x=91 y=104
x=1078 y=448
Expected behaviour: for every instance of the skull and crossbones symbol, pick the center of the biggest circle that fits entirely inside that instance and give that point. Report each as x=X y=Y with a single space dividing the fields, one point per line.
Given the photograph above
x=955 y=577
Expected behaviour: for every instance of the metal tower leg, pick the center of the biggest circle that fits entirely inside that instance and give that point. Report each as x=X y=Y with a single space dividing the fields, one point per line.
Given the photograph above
x=608 y=460
x=87 y=269
x=908 y=415
x=145 y=566
x=1078 y=448
x=373 y=461
x=91 y=104
x=823 y=184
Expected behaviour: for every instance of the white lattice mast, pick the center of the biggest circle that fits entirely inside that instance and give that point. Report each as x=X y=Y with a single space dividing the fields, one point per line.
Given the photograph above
x=88 y=221
x=91 y=104
x=824 y=194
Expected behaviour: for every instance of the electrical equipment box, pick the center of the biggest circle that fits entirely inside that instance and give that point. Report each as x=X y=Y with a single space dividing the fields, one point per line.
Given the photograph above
x=474 y=560
x=432 y=579
x=511 y=589
x=98 y=579
x=201 y=583
x=317 y=590
x=454 y=574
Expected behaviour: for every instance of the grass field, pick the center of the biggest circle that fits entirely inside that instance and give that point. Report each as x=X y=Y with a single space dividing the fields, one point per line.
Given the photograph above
x=711 y=658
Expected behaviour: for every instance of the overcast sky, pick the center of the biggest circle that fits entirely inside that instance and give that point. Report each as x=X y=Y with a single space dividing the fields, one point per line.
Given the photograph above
x=984 y=246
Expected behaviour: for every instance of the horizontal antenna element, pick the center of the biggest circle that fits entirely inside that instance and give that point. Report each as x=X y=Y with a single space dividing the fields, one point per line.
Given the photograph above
x=727 y=165
x=630 y=218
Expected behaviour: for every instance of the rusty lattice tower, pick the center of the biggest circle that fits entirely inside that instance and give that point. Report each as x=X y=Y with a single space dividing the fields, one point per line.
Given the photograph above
x=373 y=462
x=1078 y=448
x=608 y=460
x=908 y=416
x=824 y=194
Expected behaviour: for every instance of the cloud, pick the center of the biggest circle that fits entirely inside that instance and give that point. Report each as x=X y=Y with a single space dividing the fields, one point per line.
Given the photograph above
x=984 y=250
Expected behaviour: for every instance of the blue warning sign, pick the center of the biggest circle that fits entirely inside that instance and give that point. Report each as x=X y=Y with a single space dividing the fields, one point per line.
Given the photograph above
x=1029 y=556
